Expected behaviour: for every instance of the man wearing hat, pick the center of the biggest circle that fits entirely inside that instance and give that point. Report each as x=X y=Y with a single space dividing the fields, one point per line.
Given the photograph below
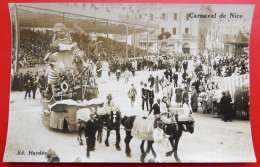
x=91 y=128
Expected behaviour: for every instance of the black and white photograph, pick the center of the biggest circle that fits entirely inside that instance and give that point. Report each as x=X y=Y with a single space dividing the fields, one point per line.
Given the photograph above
x=129 y=83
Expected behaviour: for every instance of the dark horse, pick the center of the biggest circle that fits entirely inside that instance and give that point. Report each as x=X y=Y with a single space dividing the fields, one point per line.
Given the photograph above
x=174 y=130
x=110 y=122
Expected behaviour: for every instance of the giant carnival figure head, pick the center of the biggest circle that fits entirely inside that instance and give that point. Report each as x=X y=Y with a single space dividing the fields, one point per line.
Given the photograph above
x=60 y=31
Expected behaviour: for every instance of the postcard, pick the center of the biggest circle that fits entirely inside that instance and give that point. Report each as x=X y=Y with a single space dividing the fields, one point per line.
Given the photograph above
x=130 y=83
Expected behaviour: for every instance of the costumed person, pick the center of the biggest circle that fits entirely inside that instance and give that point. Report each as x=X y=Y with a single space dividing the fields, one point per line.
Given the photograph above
x=186 y=115
x=90 y=132
x=109 y=104
x=127 y=74
x=151 y=96
x=132 y=94
x=164 y=108
x=93 y=48
x=161 y=143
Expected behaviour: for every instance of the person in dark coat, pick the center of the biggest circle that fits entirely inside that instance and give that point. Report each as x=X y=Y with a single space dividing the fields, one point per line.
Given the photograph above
x=156 y=108
x=185 y=66
x=34 y=86
x=225 y=107
x=28 y=86
x=170 y=74
x=166 y=74
x=175 y=77
x=145 y=97
x=151 y=96
x=151 y=80
x=42 y=83
x=177 y=66
x=91 y=128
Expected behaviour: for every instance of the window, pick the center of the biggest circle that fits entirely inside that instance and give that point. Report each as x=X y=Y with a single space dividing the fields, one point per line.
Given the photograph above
x=186 y=31
x=174 y=31
x=187 y=16
x=175 y=16
x=75 y=4
x=163 y=16
x=83 y=5
x=162 y=30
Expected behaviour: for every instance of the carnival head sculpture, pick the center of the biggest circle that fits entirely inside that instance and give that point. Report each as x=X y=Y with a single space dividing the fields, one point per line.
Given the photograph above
x=60 y=31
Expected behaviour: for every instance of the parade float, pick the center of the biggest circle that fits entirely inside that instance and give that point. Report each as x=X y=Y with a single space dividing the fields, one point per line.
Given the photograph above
x=70 y=85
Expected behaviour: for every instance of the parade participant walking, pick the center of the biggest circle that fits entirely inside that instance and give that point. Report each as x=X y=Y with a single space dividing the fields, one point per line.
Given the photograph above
x=175 y=78
x=145 y=97
x=151 y=80
x=41 y=83
x=118 y=73
x=151 y=96
x=225 y=107
x=178 y=92
x=90 y=132
x=194 y=99
x=127 y=74
x=34 y=86
x=161 y=82
x=156 y=82
x=132 y=94
x=28 y=86
x=169 y=92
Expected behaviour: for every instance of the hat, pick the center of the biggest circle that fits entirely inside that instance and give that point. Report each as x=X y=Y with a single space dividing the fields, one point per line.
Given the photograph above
x=59 y=27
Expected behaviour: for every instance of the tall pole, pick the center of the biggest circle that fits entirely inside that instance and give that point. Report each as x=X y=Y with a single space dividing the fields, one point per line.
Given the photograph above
x=147 y=42
x=126 y=50
x=17 y=39
x=107 y=40
x=63 y=17
x=134 y=39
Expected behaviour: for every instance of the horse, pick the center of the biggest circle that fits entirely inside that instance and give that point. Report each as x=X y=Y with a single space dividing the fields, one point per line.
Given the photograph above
x=174 y=130
x=110 y=121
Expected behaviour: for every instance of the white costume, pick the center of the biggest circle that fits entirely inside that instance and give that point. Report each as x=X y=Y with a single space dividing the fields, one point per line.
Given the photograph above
x=108 y=107
x=186 y=113
x=161 y=144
